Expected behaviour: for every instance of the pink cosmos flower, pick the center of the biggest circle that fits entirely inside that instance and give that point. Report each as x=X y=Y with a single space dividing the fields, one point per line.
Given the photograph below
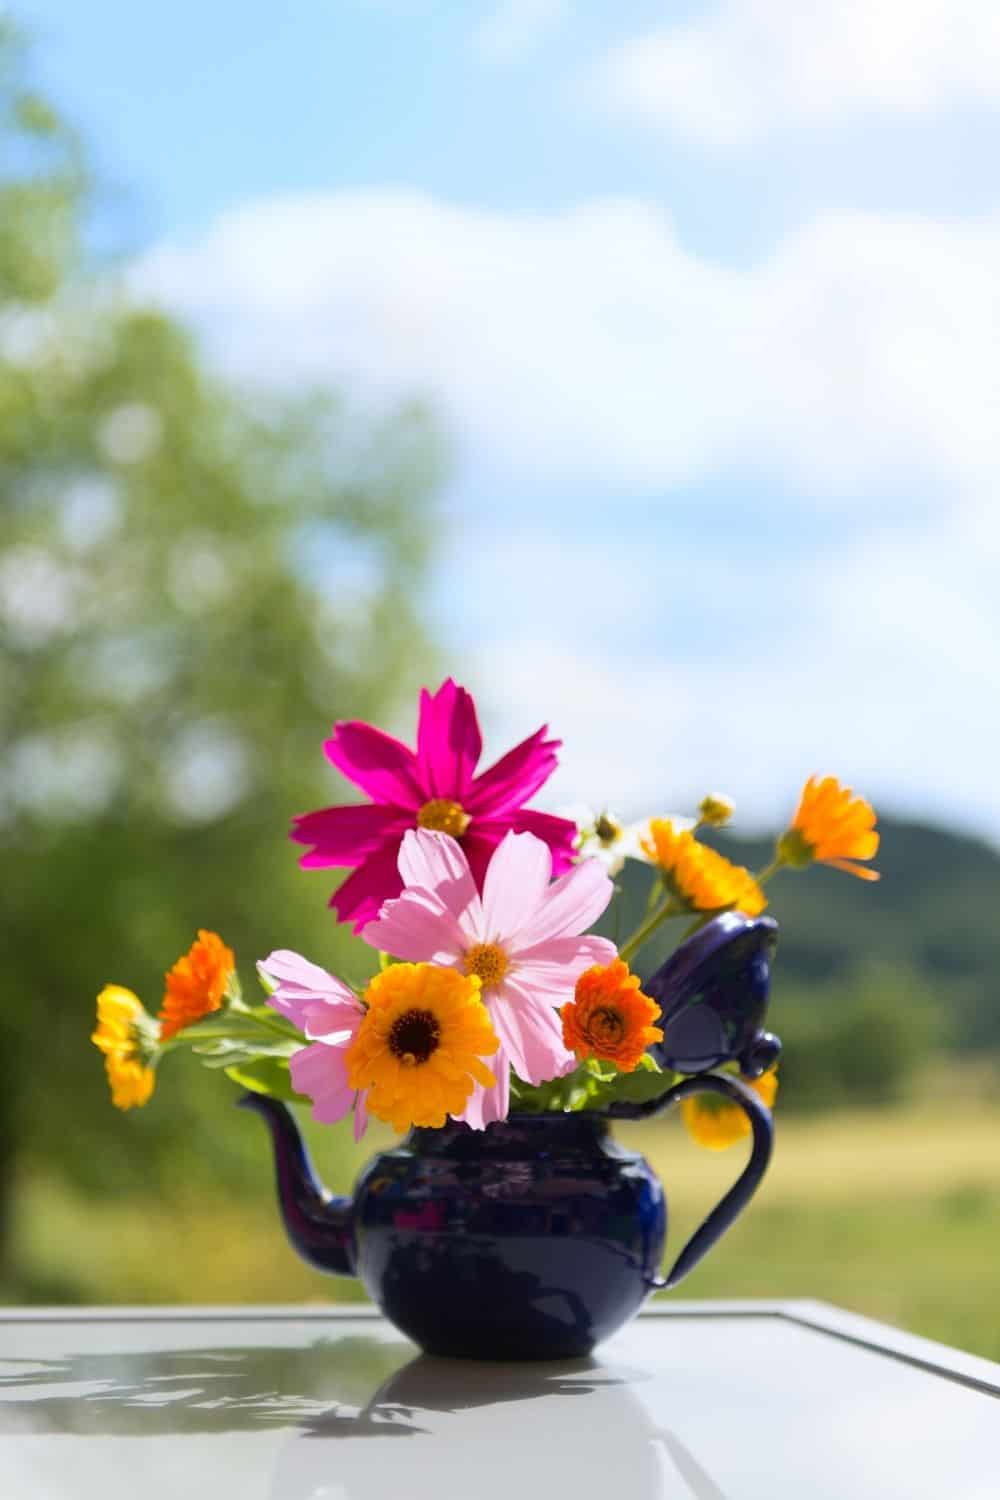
x=432 y=787
x=329 y=1013
x=522 y=937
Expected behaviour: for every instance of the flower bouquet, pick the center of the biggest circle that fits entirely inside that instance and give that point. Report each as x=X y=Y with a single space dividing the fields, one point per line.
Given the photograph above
x=498 y=1030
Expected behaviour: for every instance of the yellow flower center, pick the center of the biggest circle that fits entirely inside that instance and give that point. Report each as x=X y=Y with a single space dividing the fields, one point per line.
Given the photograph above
x=606 y=829
x=444 y=816
x=606 y=1027
x=414 y=1037
x=488 y=961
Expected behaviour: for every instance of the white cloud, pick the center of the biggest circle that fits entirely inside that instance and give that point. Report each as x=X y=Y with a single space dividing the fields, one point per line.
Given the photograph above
x=670 y=666
x=747 y=68
x=591 y=346
x=857 y=367
x=886 y=677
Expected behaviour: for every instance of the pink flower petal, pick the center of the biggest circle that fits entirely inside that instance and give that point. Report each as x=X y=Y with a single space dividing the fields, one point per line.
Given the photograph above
x=312 y=999
x=531 y=1034
x=377 y=880
x=288 y=968
x=345 y=836
x=514 y=778
x=486 y=1105
x=436 y=862
x=550 y=969
x=320 y=1072
x=559 y=833
x=569 y=906
x=383 y=767
x=478 y=846
x=516 y=881
x=419 y=928
x=449 y=743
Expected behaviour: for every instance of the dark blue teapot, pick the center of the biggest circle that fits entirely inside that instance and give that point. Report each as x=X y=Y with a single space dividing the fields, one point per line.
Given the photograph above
x=540 y=1236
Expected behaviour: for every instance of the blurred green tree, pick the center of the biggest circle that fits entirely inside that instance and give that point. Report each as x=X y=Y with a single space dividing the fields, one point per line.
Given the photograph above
x=865 y=1040
x=194 y=581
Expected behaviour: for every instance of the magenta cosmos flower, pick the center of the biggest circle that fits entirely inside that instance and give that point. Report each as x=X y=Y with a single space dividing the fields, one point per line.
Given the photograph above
x=329 y=1014
x=433 y=787
x=522 y=937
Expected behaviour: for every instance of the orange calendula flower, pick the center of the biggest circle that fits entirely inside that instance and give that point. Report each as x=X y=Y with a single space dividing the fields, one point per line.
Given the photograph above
x=701 y=878
x=196 y=985
x=126 y=1034
x=610 y=1017
x=419 y=1050
x=833 y=826
x=715 y=1122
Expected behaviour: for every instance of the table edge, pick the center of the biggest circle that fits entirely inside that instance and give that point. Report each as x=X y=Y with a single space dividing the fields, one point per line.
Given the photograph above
x=969 y=1370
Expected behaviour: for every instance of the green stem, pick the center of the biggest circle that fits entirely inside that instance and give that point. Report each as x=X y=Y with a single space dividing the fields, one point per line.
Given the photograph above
x=645 y=930
x=264 y=1019
x=656 y=886
x=698 y=923
x=768 y=871
x=218 y=1031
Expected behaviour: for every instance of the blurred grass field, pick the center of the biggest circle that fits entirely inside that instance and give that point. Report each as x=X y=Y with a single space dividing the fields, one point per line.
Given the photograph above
x=895 y=1214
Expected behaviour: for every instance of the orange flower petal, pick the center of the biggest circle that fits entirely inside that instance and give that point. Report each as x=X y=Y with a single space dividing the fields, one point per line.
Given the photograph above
x=835 y=825
x=610 y=1017
x=701 y=878
x=196 y=985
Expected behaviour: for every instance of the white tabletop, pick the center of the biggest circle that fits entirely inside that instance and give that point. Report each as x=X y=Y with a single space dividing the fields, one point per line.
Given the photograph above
x=717 y=1401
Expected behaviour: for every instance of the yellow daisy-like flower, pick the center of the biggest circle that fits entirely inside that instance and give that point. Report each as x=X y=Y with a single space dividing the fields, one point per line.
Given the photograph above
x=715 y=1122
x=701 y=878
x=833 y=826
x=419 y=1049
x=126 y=1034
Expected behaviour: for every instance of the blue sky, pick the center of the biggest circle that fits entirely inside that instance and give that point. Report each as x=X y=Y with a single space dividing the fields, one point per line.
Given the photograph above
x=707 y=296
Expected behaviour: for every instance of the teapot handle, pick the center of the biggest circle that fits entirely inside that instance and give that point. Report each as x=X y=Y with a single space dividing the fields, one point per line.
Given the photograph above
x=728 y=1209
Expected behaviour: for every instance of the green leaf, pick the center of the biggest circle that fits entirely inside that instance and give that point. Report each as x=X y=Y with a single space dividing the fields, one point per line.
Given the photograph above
x=228 y=1051
x=558 y=1095
x=266 y=1075
x=647 y=1081
x=267 y=984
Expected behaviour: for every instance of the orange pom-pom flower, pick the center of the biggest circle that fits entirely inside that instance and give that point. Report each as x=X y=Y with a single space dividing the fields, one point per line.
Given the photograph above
x=197 y=983
x=610 y=1017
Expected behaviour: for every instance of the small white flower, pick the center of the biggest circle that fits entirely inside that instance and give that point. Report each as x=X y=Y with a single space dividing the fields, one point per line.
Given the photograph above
x=605 y=837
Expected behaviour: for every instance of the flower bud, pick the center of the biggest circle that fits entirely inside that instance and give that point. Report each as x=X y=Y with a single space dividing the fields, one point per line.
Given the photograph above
x=716 y=810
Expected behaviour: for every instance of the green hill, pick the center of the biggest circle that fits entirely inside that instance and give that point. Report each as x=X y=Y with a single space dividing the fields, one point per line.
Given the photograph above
x=934 y=917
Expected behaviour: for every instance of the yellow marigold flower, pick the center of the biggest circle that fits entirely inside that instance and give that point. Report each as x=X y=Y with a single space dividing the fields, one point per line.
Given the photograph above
x=419 y=1049
x=196 y=985
x=715 y=1122
x=126 y=1034
x=609 y=1016
x=833 y=826
x=701 y=878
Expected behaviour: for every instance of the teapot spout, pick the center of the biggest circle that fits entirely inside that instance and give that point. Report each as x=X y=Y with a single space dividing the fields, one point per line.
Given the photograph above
x=319 y=1226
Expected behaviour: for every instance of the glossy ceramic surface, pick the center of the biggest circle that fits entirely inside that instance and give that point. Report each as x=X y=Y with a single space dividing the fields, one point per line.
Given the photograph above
x=693 y=1402
x=713 y=992
x=533 y=1239
x=540 y=1236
